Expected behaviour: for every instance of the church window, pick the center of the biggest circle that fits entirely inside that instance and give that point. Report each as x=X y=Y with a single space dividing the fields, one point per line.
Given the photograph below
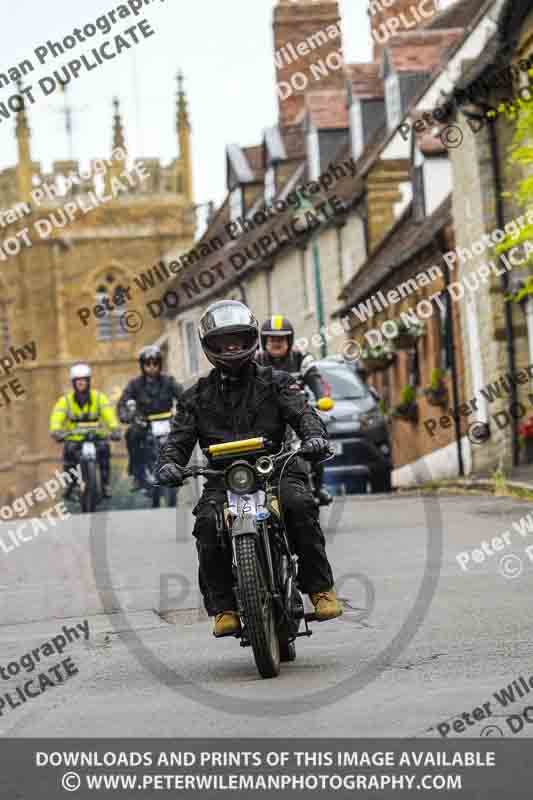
x=5 y=336
x=111 y=295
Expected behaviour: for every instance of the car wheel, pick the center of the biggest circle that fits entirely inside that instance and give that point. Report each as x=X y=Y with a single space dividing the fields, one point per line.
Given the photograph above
x=382 y=482
x=356 y=486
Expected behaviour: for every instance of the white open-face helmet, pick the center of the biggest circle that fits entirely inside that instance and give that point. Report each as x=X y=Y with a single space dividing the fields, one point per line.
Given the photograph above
x=80 y=371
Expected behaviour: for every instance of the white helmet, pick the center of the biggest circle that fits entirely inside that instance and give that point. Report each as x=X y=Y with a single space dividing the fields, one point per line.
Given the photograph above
x=80 y=371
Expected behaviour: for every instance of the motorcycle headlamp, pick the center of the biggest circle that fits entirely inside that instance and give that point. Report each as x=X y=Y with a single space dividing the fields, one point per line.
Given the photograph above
x=240 y=478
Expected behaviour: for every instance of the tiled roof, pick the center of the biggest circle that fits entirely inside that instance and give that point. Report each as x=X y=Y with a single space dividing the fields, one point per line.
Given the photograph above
x=254 y=156
x=294 y=140
x=421 y=50
x=460 y=15
x=403 y=241
x=365 y=80
x=327 y=109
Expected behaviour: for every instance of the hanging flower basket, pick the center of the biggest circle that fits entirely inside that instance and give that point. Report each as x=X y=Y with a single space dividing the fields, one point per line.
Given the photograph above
x=407 y=335
x=437 y=397
x=407 y=412
x=526 y=439
x=407 y=408
x=376 y=359
x=377 y=364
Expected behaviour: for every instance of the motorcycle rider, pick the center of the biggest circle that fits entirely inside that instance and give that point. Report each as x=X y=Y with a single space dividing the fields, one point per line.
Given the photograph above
x=84 y=404
x=277 y=339
x=240 y=399
x=151 y=393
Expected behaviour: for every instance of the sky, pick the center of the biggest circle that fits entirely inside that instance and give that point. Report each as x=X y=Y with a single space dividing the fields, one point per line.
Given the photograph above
x=225 y=51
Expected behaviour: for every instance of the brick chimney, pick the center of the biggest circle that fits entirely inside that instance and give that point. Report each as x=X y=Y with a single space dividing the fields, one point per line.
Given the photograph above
x=388 y=17
x=308 y=52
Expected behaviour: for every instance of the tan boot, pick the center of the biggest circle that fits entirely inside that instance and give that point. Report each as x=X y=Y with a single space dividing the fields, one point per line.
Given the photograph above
x=326 y=605
x=227 y=622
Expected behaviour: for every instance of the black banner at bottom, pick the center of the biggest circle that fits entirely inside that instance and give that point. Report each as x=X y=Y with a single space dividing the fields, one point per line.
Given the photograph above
x=147 y=768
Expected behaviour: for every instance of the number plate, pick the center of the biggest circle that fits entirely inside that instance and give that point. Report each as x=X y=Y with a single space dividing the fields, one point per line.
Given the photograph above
x=161 y=427
x=336 y=447
x=89 y=450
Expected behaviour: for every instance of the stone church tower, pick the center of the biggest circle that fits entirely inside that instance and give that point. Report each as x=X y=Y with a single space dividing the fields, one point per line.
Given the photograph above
x=72 y=264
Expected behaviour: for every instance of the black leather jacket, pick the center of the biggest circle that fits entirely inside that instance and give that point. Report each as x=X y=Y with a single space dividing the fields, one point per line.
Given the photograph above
x=152 y=397
x=300 y=365
x=216 y=410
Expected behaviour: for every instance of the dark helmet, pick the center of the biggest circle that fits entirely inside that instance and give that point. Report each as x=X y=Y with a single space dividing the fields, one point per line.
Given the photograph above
x=152 y=352
x=277 y=326
x=223 y=317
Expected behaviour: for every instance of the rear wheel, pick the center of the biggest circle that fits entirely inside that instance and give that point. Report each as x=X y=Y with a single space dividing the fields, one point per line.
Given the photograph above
x=257 y=607
x=89 y=496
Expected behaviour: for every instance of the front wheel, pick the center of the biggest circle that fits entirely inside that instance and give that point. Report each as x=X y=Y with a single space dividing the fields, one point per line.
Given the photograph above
x=257 y=607
x=89 y=495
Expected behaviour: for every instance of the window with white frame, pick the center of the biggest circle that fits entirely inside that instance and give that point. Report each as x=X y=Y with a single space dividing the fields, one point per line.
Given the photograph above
x=313 y=154
x=393 y=100
x=270 y=184
x=191 y=345
x=356 y=129
x=235 y=204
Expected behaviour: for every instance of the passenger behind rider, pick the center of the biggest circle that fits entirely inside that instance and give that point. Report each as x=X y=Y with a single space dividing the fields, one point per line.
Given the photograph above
x=277 y=351
x=240 y=399
x=150 y=393
x=84 y=404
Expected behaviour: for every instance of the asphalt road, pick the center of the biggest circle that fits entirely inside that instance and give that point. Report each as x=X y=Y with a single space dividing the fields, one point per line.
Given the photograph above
x=420 y=643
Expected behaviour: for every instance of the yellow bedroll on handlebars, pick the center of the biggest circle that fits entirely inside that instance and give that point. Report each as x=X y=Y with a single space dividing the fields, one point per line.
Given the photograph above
x=234 y=448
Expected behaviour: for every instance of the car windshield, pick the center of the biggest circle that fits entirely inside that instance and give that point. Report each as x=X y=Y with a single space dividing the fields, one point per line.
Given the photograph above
x=344 y=383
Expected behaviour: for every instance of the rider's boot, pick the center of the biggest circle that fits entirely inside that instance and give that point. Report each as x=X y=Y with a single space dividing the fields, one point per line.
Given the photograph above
x=326 y=605
x=106 y=490
x=226 y=622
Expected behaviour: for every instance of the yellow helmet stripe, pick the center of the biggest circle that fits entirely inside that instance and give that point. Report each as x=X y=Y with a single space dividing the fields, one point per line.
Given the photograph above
x=277 y=322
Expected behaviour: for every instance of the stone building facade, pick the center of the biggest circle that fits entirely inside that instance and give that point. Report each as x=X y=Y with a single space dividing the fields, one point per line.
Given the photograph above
x=76 y=264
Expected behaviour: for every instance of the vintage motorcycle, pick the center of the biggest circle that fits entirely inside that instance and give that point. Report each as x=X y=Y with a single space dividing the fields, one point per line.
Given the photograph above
x=88 y=489
x=157 y=429
x=322 y=406
x=251 y=523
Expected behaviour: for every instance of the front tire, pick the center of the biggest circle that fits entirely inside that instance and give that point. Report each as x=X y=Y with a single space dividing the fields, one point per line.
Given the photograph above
x=257 y=607
x=89 y=496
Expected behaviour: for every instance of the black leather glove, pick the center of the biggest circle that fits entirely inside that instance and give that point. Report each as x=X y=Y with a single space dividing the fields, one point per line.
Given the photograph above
x=59 y=436
x=170 y=475
x=315 y=449
x=116 y=435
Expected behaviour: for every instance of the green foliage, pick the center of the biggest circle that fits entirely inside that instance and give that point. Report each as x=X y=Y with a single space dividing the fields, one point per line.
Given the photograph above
x=407 y=396
x=523 y=293
x=437 y=376
x=379 y=352
x=415 y=329
x=520 y=114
